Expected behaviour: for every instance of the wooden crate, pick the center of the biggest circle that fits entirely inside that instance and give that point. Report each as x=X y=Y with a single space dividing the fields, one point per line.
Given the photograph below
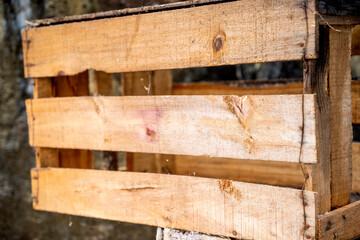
x=272 y=161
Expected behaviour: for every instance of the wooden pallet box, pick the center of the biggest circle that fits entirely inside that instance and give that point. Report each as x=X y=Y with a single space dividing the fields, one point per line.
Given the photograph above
x=273 y=159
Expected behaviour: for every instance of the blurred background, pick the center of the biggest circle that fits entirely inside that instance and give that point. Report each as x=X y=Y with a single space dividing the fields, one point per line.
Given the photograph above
x=17 y=218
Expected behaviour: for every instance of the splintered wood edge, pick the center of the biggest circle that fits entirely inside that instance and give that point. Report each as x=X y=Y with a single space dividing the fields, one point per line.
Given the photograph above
x=181 y=202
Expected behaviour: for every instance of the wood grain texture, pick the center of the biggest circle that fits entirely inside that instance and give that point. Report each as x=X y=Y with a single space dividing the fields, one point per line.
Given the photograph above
x=45 y=157
x=140 y=84
x=341 y=134
x=248 y=127
x=356 y=167
x=218 y=207
x=146 y=83
x=264 y=172
x=69 y=86
x=316 y=82
x=342 y=223
x=265 y=88
x=103 y=86
x=210 y=35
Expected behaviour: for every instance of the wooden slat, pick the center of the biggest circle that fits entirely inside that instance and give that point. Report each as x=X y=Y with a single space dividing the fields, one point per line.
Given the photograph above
x=264 y=88
x=356 y=167
x=316 y=78
x=341 y=224
x=248 y=127
x=341 y=134
x=208 y=35
x=264 y=172
x=218 y=207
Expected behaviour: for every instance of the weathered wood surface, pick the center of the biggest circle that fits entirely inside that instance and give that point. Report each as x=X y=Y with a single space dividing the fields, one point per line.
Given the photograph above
x=140 y=84
x=260 y=88
x=318 y=176
x=248 y=127
x=341 y=133
x=69 y=86
x=342 y=223
x=218 y=207
x=208 y=35
x=356 y=167
x=264 y=172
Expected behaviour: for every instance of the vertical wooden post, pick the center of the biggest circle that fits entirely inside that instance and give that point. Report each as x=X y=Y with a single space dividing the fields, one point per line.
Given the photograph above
x=316 y=81
x=340 y=115
x=148 y=83
x=103 y=87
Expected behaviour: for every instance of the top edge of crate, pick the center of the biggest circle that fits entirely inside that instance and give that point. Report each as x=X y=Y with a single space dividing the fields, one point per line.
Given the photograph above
x=226 y=33
x=325 y=7
x=122 y=12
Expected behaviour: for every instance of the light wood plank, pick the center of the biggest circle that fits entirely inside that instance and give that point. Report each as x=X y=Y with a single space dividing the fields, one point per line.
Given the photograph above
x=318 y=176
x=208 y=35
x=264 y=88
x=248 y=127
x=264 y=172
x=341 y=134
x=356 y=167
x=212 y=206
x=341 y=224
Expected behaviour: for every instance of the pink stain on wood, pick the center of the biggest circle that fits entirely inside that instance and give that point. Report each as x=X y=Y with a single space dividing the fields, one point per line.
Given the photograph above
x=150 y=118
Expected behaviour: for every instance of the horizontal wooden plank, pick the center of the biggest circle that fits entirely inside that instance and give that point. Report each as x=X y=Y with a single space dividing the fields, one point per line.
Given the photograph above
x=264 y=172
x=218 y=34
x=342 y=223
x=268 y=87
x=219 y=207
x=248 y=127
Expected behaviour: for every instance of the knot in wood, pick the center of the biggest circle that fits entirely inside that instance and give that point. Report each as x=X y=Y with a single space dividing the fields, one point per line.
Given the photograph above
x=218 y=42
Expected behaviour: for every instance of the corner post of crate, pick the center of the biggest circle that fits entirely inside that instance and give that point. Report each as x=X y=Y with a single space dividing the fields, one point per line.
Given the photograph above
x=317 y=176
x=140 y=84
x=341 y=134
